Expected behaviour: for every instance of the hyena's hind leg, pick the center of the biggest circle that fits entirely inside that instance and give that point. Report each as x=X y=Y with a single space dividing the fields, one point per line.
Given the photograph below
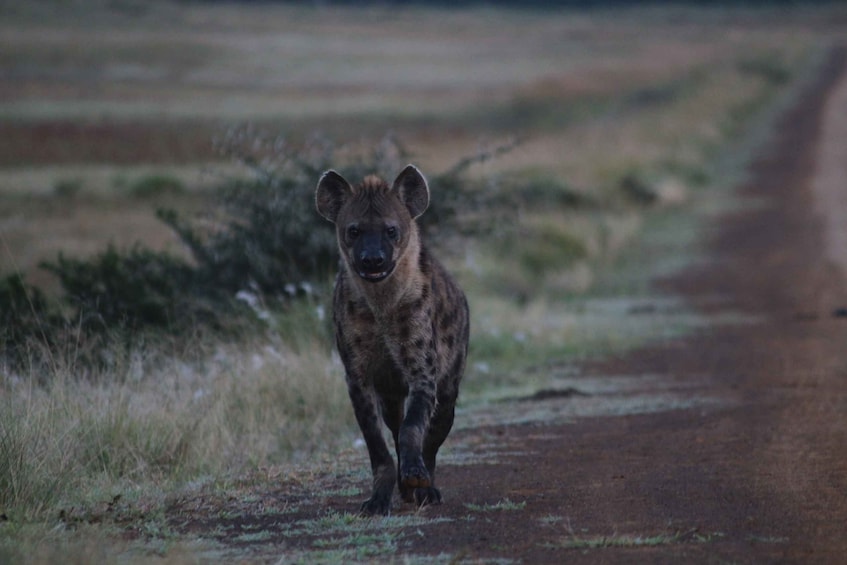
x=439 y=428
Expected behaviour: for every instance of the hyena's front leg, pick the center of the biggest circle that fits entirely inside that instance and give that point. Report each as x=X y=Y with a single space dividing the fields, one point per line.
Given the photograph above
x=382 y=463
x=439 y=427
x=413 y=471
x=393 y=408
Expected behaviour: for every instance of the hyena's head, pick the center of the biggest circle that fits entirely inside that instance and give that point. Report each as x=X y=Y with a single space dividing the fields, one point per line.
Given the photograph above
x=374 y=222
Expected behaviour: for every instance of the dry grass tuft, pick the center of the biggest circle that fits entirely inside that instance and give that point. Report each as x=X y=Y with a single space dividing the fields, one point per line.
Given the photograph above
x=62 y=443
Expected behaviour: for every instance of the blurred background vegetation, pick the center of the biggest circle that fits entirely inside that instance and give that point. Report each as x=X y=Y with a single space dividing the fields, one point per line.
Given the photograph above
x=165 y=281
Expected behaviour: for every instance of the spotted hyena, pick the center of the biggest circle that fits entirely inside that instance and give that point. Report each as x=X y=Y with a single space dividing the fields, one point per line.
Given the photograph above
x=401 y=327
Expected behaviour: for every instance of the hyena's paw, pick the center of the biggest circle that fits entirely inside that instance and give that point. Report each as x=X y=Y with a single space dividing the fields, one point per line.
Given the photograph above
x=427 y=496
x=414 y=474
x=407 y=494
x=376 y=506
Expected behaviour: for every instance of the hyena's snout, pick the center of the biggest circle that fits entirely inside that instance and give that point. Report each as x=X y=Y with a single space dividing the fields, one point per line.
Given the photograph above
x=372 y=256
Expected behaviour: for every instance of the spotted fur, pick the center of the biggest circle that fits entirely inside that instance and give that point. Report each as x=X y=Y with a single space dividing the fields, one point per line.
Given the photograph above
x=401 y=328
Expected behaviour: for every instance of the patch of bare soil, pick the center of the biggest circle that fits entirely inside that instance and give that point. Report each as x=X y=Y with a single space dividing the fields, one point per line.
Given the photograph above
x=67 y=142
x=759 y=477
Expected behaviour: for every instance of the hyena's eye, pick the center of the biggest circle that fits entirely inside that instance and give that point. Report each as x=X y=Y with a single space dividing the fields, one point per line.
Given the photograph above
x=352 y=232
x=392 y=232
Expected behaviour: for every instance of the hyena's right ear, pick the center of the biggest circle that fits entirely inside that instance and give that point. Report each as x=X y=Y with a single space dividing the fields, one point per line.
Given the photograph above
x=331 y=194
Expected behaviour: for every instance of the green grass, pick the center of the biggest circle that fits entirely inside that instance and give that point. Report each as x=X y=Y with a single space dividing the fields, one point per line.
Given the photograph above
x=342 y=537
x=636 y=541
x=156 y=186
x=504 y=505
x=363 y=545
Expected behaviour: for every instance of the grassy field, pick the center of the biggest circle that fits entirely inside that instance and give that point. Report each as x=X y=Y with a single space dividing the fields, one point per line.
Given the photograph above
x=626 y=127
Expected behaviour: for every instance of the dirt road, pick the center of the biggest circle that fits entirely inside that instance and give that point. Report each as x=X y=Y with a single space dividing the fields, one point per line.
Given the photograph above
x=759 y=475
x=759 y=478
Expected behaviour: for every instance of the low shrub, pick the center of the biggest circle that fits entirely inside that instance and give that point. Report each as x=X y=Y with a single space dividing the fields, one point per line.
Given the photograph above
x=152 y=186
x=265 y=234
x=261 y=247
x=136 y=289
x=769 y=66
x=25 y=316
x=268 y=241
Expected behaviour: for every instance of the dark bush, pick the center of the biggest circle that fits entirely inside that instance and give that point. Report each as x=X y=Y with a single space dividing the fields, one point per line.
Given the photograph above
x=262 y=242
x=265 y=232
x=637 y=190
x=133 y=290
x=24 y=316
x=152 y=186
x=539 y=191
x=768 y=66
x=268 y=235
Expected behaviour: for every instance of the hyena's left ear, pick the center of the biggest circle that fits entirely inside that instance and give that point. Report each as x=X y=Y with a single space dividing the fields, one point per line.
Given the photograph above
x=413 y=190
x=331 y=194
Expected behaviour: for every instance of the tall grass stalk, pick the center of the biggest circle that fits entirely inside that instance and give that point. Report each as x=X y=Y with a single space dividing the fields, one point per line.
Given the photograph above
x=37 y=464
x=64 y=443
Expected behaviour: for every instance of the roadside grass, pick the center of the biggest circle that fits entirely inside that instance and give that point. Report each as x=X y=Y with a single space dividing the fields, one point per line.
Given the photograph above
x=583 y=542
x=65 y=444
x=604 y=304
x=87 y=463
x=346 y=536
x=504 y=505
x=333 y=537
x=634 y=541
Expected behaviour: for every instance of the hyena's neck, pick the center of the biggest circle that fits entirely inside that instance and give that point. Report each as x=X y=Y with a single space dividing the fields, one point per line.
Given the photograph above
x=403 y=286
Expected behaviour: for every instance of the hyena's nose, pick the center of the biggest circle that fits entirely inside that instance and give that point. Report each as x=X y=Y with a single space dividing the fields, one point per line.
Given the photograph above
x=372 y=260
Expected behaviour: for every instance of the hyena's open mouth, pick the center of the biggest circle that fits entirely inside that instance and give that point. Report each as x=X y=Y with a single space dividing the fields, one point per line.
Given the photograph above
x=373 y=265
x=376 y=276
